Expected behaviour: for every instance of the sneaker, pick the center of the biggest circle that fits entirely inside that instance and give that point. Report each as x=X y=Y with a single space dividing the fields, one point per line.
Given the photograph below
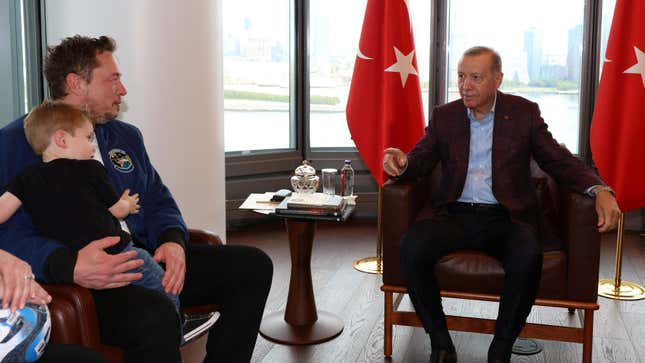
x=197 y=325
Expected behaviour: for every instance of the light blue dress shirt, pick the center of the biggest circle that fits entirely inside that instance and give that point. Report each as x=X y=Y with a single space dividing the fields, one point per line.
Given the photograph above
x=479 y=179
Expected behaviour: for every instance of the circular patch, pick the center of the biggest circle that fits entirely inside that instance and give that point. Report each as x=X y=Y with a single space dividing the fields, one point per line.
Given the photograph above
x=121 y=160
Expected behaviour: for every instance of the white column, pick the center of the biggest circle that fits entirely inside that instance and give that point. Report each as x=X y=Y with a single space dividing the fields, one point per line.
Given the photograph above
x=170 y=55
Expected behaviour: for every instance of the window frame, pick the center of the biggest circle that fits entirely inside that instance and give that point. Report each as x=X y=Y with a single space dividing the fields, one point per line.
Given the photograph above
x=26 y=28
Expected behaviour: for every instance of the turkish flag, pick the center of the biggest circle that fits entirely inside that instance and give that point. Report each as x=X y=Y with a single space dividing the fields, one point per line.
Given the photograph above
x=618 y=126
x=384 y=108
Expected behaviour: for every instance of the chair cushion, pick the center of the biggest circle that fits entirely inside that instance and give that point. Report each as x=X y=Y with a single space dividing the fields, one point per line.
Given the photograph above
x=477 y=272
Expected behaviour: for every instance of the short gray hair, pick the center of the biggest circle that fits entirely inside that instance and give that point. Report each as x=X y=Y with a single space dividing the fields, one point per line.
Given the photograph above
x=479 y=50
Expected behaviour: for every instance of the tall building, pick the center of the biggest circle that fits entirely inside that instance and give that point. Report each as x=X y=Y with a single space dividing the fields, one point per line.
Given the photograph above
x=574 y=53
x=533 y=50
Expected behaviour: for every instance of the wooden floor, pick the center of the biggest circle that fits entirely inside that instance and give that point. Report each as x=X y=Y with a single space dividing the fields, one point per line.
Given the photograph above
x=619 y=331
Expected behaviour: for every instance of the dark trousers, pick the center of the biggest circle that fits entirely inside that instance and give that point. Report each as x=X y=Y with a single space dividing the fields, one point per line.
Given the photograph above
x=489 y=230
x=59 y=353
x=144 y=322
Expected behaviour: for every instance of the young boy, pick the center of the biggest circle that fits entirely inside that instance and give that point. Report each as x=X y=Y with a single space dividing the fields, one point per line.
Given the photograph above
x=69 y=195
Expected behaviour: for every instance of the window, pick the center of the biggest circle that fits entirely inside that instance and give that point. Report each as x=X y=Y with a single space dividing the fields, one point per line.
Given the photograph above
x=541 y=52
x=333 y=44
x=257 y=92
x=285 y=101
x=258 y=89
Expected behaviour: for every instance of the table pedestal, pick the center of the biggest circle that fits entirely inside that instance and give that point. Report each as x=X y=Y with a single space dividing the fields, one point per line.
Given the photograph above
x=301 y=323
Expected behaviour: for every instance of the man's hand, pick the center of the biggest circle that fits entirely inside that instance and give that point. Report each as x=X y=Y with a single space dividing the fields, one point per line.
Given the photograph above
x=17 y=284
x=172 y=254
x=608 y=211
x=95 y=269
x=394 y=161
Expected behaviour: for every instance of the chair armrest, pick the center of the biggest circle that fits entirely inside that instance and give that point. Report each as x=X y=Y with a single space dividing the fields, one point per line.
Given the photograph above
x=401 y=203
x=582 y=241
x=73 y=315
x=201 y=236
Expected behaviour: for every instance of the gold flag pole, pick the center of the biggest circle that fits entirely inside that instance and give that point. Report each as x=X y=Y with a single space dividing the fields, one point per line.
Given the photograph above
x=616 y=288
x=374 y=265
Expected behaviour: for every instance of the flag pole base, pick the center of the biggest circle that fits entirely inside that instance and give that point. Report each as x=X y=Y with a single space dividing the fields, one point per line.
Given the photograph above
x=370 y=265
x=628 y=291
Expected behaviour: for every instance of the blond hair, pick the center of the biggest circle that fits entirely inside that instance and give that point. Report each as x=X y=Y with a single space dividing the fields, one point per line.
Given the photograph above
x=47 y=118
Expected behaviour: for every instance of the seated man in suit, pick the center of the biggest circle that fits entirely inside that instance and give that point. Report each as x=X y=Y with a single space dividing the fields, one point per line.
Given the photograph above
x=486 y=201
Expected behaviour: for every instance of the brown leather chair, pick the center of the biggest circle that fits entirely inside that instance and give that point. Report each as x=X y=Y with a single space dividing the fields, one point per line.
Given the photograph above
x=571 y=245
x=73 y=312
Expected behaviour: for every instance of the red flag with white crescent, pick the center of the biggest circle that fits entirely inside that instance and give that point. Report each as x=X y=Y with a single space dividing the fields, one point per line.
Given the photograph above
x=385 y=107
x=618 y=126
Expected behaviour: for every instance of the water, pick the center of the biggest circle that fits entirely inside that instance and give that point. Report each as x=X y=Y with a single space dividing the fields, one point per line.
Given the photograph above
x=257 y=130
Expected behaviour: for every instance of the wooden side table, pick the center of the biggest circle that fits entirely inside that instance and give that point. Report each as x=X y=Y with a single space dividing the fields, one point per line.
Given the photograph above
x=300 y=323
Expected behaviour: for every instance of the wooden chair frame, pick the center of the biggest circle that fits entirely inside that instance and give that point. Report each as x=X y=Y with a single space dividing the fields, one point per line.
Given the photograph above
x=583 y=335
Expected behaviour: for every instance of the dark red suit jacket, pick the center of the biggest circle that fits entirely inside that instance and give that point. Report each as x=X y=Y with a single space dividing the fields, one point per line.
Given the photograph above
x=519 y=134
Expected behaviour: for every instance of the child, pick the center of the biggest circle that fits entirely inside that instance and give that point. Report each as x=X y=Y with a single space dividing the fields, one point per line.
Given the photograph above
x=69 y=195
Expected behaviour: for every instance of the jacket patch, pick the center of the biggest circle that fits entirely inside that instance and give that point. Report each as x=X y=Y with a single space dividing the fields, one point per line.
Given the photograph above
x=121 y=160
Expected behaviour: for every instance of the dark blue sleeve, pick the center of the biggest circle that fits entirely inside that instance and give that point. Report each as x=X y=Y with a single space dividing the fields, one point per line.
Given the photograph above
x=161 y=214
x=17 y=235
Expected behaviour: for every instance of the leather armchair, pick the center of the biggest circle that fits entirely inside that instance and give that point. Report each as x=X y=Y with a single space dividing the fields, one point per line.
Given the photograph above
x=571 y=245
x=73 y=313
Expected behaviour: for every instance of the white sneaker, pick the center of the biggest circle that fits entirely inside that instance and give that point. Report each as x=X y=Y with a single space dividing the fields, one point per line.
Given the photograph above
x=197 y=325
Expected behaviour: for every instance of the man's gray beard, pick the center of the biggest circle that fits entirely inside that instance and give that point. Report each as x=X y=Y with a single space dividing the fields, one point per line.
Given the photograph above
x=98 y=118
x=101 y=118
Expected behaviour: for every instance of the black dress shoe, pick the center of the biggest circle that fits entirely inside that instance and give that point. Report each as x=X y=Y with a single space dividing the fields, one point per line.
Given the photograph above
x=443 y=356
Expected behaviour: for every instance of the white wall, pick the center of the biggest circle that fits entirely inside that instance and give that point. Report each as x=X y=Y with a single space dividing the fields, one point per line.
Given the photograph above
x=169 y=52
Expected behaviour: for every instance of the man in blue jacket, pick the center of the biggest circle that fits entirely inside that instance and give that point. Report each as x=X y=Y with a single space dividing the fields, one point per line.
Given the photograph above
x=82 y=71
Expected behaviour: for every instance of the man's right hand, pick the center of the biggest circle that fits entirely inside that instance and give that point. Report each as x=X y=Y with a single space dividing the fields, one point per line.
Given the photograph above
x=394 y=161
x=96 y=269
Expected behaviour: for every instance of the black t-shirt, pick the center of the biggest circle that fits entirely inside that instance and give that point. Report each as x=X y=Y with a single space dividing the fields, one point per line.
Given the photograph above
x=69 y=200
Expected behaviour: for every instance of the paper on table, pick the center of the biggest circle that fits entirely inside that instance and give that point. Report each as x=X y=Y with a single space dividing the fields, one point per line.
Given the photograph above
x=259 y=201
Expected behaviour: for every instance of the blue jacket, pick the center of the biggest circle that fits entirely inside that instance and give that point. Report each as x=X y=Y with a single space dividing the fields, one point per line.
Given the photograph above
x=128 y=166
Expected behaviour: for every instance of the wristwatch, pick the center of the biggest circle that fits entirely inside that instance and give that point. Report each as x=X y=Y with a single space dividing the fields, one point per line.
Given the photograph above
x=602 y=188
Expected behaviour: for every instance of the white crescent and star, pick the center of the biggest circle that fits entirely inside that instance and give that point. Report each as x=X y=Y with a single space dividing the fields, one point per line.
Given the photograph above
x=639 y=67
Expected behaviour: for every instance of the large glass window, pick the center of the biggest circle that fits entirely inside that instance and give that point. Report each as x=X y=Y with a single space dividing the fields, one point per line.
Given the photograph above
x=541 y=52
x=257 y=90
x=288 y=66
x=333 y=44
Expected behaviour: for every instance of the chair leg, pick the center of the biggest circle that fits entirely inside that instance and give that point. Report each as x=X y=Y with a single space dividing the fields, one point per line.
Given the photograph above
x=387 y=322
x=587 y=344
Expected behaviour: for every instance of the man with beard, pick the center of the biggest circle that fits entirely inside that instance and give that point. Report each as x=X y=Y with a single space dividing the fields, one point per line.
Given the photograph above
x=82 y=71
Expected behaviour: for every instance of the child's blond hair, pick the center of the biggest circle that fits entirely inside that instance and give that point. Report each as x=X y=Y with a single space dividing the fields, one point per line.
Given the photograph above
x=47 y=118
